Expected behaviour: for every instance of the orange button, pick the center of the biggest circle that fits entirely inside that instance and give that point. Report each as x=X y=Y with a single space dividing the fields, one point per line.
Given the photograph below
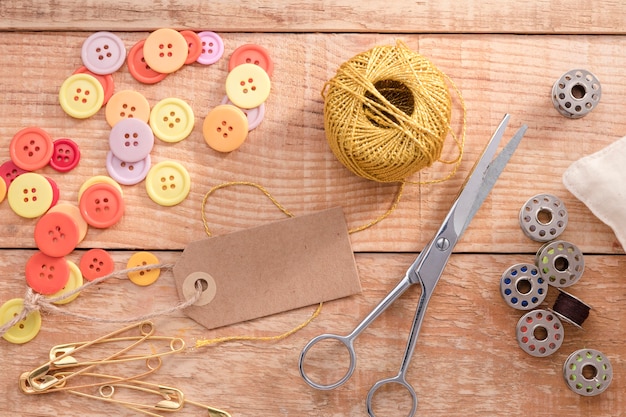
x=31 y=148
x=225 y=128
x=194 y=44
x=127 y=104
x=45 y=274
x=56 y=234
x=72 y=211
x=145 y=276
x=96 y=263
x=251 y=54
x=165 y=50
x=101 y=205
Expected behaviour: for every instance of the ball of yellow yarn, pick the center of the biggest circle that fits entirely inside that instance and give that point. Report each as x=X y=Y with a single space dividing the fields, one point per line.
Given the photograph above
x=387 y=113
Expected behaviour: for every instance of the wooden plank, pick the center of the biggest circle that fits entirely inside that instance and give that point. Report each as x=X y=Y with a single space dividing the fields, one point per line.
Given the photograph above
x=288 y=153
x=467 y=361
x=428 y=16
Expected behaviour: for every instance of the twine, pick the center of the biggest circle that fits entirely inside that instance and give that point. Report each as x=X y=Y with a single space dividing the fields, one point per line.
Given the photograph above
x=387 y=114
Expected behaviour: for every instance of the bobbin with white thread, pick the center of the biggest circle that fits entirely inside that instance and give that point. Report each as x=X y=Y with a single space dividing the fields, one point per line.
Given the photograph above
x=570 y=309
x=543 y=217
x=576 y=93
x=560 y=263
x=522 y=287
x=588 y=372
x=539 y=333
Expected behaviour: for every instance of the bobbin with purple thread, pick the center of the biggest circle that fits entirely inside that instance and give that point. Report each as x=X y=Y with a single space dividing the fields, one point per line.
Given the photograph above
x=571 y=309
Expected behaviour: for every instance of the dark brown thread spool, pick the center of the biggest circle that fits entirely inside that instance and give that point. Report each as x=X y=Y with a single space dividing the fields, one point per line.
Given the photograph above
x=571 y=309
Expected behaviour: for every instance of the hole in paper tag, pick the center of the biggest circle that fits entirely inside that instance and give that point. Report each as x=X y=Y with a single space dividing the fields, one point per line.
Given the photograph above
x=269 y=269
x=205 y=281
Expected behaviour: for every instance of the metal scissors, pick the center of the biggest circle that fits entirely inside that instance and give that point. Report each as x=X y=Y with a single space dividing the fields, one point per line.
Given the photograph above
x=428 y=266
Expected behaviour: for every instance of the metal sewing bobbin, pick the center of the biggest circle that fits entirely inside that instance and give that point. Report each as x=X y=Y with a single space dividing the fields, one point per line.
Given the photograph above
x=588 y=372
x=576 y=93
x=522 y=287
x=570 y=309
x=560 y=263
x=543 y=217
x=539 y=333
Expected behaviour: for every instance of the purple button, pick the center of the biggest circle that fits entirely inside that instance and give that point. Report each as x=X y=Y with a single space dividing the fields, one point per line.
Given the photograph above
x=131 y=140
x=103 y=53
x=9 y=171
x=212 y=48
x=255 y=115
x=127 y=173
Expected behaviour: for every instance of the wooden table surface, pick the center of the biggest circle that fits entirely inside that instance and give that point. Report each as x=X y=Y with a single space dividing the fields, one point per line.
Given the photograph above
x=503 y=56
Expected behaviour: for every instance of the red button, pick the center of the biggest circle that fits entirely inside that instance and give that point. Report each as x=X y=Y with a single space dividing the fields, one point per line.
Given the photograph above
x=9 y=171
x=138 y=67
x=101 y=205
x=195 y=45
x=56 y=192
x=45 y=274
x=56 y=234
x=251 y=54
x=31 y=148
x=65 y=156
x=108 y=85
x=96 y=263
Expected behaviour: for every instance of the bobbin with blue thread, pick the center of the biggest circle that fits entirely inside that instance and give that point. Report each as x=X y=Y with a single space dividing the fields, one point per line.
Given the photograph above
x=576 y=93
x=560 y=263
x=588 y=372
x=522 y=287
x=543 y=217
x=539 y=333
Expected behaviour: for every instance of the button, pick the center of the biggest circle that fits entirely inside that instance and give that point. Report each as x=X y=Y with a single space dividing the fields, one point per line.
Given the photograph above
x=30 y=195
x=143 y=277
x=247 y=86
x=96 y=179
x=96 y=263
x=46 y=274
x=9 y=171
x=56 y=193
x=212 y=48
x=127 y=173
x=72 y=211
x=26 y=329
x=75 y=281
x=138 y=67
x=172 y=120
x=251 y=54
x=65 y=156
x=131 y=140
x=56 y=234
x=101 y=205
x=103 y=53
x=81 y=96
x=225 y=128
x=254 y=115
x=3 y=190
x=165 y=50
x=31 y=148
x=127 y=104
x=194 y=46
x=106 y=80
x=168 y=183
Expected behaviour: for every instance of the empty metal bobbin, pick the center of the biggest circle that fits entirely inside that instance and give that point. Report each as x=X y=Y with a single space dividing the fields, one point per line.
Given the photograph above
x=543 y=217
x=560 y=263
x=539 y=333
x=588 y=372
x=522 y=287
x=576 y=93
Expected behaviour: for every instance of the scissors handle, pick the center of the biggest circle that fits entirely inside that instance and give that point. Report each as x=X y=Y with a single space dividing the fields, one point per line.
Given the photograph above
x=398 y=379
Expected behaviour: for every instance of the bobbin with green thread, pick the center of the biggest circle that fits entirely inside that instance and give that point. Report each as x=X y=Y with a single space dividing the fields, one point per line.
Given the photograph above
x=588 y=372
x=560 y=263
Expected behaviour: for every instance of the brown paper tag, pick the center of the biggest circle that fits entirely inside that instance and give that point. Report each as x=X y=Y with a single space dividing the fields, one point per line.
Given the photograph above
x=269 y=269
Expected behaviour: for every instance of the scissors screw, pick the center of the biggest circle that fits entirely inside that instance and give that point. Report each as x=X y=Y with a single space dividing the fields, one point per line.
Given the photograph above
x=442 y=244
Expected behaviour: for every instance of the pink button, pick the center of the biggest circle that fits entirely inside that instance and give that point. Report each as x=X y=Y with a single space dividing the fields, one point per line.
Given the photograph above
x=131 y=140
x=103 y=53
x=127 y=173
x=56 y=192
x=212 y=48
x=254 y=115
x=9 y=171
x=65 y=156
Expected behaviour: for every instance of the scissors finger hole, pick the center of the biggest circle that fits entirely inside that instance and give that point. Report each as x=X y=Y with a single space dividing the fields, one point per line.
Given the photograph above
x=392 y=398
x=317 y=367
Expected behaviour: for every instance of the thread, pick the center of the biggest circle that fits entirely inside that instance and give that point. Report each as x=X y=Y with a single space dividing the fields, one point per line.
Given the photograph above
x=387 y=114
x=571 y=309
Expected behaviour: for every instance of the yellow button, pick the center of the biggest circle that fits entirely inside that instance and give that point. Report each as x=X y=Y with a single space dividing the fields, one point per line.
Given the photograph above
x=225 y=128
x=96 y=179
x=127 y=104
x=75 y=281
x=171 y=120
x=81 y=95
x=146 y=276
x=26 y=329
x=165 y=50
x=168 y=183
x=247 y=86
x=3 y=189
x=30 y=195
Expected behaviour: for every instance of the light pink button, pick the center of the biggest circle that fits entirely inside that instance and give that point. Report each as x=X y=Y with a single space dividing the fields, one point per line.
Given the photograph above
x=103 y=53
x=127 y=173
x=131 y=140
x=212 y=48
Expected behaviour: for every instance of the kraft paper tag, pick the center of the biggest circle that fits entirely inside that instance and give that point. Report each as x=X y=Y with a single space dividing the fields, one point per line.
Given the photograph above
x=269 y=269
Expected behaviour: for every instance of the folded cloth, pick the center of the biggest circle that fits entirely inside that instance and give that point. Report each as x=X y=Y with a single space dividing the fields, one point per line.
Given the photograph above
x=598 y=181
